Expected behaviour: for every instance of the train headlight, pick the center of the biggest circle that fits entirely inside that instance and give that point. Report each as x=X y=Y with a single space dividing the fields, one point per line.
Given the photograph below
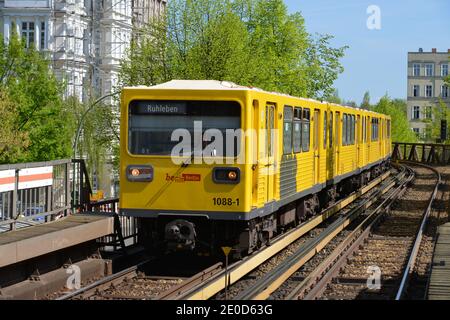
x=232 y=175
x=140 y=173
x=226 y=175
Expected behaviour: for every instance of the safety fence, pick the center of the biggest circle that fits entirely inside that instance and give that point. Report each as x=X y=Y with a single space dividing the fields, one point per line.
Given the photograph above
x=33 y=193
x=421 y=152
x=40 y=192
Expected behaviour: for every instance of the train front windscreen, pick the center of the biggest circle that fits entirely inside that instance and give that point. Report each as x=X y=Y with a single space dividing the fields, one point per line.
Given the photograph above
x=157 y=127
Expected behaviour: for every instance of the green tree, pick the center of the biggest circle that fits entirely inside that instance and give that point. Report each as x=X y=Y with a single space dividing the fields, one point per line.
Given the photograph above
x=400 y=130
x=438 y=112
x=41 y=114
x=99 y=133
x=12 y=141
x=365 y=104
x=334 y=97
x=250 y=42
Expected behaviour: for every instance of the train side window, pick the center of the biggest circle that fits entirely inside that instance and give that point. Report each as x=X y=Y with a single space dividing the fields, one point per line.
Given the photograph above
x=388 y=128
x=325 y=129
x=331 y=129
x=306 y=126
x=337 y=121
x=344 y=130
x=297 y=130
x=375 y=130
x=364 y=129
x=349 y=129
x=287 y=129
x=353 y=128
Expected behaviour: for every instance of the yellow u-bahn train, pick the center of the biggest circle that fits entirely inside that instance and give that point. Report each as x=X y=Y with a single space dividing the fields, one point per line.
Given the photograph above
x=207 y=163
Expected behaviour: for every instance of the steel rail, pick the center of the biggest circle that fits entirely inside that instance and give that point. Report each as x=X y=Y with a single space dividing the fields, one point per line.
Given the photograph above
x=315 y=283
x=272 y=280
x=91 y=289
x=176 y=291
x=239 y=269
x=419 y=235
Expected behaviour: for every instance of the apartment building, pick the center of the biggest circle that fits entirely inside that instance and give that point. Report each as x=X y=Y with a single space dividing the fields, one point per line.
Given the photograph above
x=85 y=39
x=426 y=74
x=144 y=11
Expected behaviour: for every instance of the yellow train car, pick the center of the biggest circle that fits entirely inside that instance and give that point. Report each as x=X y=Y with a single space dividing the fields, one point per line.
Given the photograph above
x=206 y=163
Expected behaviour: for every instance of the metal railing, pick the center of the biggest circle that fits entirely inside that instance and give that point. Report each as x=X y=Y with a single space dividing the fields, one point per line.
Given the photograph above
x=40 y=192
x=129 y=226
x=33 y=193
x=427 y=153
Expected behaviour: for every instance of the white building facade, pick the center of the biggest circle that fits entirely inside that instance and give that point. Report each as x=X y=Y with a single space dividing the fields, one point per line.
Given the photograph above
x=427 y=72
x=85 y=39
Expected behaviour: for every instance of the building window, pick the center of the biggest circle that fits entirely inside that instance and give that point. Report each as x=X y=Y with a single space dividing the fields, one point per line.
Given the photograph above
x=428 y=112
x=429 y=91
x=415 y=112
x=416 y=131
x=416 y=90
x=42 y=36
x=416 y=69
x=429 y=70
x=444 y=70
x=444 y=91
x=28 y=33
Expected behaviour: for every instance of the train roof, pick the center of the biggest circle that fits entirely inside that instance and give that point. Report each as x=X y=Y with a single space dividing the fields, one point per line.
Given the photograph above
x=225 y=85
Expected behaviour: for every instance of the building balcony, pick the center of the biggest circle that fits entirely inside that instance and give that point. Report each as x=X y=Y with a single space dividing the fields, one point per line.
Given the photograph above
x=27 y=4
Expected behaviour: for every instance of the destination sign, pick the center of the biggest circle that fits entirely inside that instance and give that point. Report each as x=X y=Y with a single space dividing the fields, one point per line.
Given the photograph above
x=159 y=107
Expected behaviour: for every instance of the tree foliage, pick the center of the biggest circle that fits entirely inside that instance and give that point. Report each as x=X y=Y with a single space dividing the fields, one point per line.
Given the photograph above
x=250 y=42
x=396 y=108
x=365 y=104
x=433 y=124
x=99 y=132
x=34 y=97
x=12 y=141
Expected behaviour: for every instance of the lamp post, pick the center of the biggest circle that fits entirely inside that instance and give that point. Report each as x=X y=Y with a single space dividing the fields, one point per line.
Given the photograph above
x=77 y=136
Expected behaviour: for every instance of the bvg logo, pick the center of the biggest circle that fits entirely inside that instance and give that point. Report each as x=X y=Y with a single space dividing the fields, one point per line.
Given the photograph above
x=186 y=177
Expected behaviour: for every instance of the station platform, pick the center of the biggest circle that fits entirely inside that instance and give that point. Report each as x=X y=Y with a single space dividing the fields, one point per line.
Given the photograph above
x=439 y=284
x=27 y=243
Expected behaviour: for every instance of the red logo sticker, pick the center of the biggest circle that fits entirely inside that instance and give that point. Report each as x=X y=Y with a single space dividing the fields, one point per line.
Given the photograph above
x=185 y=177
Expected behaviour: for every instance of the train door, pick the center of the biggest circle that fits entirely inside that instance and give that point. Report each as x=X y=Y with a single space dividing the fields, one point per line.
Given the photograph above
x=358 y=140
x=337 y=123
x=270 y=149
x=259 y=175
x=316 y=146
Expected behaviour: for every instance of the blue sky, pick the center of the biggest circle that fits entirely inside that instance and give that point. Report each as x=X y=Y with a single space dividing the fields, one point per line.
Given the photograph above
x=377 y=59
